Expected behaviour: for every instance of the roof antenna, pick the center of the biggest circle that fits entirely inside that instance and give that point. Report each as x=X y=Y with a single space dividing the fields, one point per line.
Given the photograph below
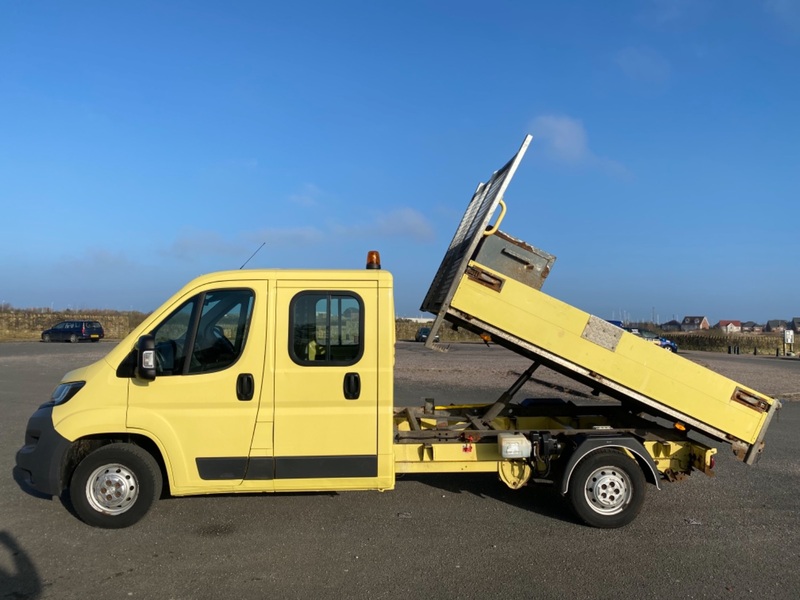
x=252 y=255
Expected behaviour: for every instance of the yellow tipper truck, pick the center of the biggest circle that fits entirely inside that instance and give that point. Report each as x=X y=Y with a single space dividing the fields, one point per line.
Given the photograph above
x=279 y=380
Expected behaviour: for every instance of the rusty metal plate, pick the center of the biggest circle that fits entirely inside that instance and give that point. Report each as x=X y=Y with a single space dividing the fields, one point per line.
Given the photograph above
x=515 y=258
x=485 y=278
x=750 y=400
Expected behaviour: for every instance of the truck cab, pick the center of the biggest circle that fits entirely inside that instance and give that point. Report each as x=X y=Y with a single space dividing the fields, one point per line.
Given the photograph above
x=257 y=381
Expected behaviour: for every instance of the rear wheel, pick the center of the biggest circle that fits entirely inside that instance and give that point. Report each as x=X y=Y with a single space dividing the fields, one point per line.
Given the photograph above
x=115 y=486
x=73 y=338
x=607 y=489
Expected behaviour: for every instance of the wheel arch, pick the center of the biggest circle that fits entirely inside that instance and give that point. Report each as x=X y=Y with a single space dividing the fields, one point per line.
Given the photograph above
x=82 y=447
x=589 y=444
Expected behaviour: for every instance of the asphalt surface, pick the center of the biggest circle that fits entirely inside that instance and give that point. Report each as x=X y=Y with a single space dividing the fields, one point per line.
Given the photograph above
x=735 y=535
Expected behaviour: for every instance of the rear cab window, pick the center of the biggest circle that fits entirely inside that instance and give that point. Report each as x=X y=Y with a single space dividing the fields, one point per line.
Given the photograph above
x=326 y=328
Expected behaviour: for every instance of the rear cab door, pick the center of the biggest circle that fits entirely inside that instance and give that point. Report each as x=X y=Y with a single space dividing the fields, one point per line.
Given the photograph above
x=327 y=385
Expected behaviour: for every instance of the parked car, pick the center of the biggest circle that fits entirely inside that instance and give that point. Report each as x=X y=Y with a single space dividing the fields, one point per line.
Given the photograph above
x=74 y=331
x=654 y=338
x=423 y=333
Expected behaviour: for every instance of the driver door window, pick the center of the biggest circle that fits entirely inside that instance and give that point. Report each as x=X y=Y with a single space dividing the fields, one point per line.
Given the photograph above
x=205 y=334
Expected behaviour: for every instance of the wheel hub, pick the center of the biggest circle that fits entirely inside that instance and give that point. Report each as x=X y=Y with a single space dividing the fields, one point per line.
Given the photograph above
x=608 y=490
x=112 y=489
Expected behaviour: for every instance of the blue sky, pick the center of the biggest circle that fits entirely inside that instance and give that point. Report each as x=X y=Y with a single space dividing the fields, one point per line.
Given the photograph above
x=142 y=144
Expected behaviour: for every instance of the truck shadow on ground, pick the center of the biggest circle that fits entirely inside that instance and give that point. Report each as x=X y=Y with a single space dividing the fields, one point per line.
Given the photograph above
x=542 y=499
x=22 y=580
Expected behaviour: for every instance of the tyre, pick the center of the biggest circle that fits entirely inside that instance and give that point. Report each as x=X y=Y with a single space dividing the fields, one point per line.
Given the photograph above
x=73 y=338
x=46 y=337
x=607 y=489
x=115 y=486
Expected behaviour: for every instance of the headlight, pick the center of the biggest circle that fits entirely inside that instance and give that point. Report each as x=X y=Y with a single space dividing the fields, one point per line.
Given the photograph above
x=65 y=391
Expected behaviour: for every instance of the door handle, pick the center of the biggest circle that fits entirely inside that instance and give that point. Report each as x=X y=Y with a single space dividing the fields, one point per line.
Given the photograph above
x=352 y=386
x=245 y=386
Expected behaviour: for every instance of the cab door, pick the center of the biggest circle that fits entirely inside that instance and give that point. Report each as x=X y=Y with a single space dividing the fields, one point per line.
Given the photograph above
x=202 y=406
x=326 y=385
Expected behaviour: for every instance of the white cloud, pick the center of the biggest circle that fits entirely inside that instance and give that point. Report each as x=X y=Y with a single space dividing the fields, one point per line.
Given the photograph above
x=291 y=236
x=675 y=13
x=308 y=195
x=566 y=137
x=787 y=12
x=197 y=243
x=644 y=65
x=206 y=247
x=401 y=222
x=96 y=260
x=665 y=11
x=565 y=141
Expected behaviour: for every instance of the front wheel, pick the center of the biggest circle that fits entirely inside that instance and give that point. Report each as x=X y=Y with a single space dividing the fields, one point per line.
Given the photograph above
x=46 y=337
x=115 y=486
x=607 y=489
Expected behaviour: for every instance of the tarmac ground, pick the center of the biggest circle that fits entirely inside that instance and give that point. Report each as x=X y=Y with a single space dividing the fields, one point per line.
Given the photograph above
x=731 y=536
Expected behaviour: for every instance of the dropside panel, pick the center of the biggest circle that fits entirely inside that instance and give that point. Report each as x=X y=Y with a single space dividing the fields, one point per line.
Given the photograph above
x=607 y=354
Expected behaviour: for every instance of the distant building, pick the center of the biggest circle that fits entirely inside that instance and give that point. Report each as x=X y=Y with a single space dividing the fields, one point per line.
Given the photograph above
x=795 y=324
x=416 y=319
x=775 y=326
x=673 y=325
x=730 y=326
x=694 y=323
x=752 y=327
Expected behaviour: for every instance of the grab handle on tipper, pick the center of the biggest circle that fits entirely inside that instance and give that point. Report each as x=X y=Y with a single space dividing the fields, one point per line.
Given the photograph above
x=493 y=229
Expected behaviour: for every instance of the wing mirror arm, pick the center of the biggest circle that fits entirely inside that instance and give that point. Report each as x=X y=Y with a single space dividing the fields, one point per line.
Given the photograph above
x=146 y=358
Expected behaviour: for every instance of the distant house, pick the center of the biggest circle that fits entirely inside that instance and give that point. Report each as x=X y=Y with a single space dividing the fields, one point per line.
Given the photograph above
x=775 y=326
x=795 y=324
x=673 y=325
x=752 y=327
x=729 y=326
x=694 y=323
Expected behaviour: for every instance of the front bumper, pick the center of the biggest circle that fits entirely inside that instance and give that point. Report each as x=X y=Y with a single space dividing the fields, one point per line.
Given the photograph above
x=41 y=460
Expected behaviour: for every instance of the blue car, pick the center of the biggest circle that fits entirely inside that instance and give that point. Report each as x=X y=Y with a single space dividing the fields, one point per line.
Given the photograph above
x=423 y=333
x=653 y=337
x=74 y=331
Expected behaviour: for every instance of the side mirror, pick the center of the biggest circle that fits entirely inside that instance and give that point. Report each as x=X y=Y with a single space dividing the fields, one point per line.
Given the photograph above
x=146 y=358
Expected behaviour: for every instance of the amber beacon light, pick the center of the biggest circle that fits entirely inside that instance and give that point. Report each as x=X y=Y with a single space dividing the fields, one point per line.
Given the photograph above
x=373 y=259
